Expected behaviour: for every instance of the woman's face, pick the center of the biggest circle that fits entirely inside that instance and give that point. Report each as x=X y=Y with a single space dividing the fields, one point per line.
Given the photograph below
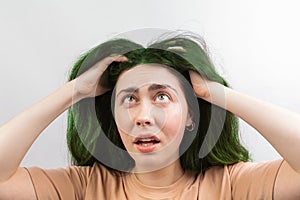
x=151 y=113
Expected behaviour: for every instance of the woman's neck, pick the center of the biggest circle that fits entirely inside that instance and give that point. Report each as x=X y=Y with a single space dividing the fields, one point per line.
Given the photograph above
x=162 y=177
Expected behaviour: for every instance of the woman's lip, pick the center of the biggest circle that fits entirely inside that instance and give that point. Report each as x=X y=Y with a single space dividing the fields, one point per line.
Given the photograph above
x=146 y=149
x=151 y=136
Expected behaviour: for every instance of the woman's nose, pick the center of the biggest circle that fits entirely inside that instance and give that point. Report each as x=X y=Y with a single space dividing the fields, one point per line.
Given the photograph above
x=144 y=116
x=143 y=122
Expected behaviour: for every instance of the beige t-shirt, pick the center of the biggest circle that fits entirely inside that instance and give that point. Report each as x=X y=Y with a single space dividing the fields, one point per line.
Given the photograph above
x=243 y=180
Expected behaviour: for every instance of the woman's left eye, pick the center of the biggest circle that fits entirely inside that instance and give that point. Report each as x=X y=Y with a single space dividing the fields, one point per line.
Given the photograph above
x=162 y=98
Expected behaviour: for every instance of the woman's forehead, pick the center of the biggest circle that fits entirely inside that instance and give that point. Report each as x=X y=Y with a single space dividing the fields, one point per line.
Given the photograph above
x=147 y=74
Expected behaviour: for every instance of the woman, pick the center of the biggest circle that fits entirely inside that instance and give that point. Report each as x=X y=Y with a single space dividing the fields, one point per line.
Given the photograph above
x=150 y=134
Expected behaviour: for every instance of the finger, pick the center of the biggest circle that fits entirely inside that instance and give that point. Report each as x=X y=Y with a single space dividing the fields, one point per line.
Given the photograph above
x=115 y=58
x=105 y=62
x=192 y=73
x=121 y=59
x=196 y=76
x=199 y=84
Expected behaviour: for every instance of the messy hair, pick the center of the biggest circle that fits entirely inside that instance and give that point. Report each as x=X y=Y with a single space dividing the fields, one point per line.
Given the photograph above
x=182 y=52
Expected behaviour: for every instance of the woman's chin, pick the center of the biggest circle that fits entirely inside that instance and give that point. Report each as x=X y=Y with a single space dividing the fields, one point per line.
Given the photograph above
x=152 y=161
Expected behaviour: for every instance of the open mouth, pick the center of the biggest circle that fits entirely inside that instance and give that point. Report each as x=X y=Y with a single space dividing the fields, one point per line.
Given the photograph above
x=146 y=144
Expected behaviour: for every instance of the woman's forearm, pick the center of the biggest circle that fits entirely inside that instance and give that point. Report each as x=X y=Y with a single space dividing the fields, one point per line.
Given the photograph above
x=18 y=134
x=279 y=126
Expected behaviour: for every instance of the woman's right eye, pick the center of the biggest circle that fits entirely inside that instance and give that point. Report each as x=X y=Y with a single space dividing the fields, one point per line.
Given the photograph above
x=128 y=99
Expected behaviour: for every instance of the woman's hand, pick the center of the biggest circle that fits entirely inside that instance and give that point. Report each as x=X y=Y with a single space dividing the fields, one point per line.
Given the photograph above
x=210 y=91
x=88 y=84
x=200 y=85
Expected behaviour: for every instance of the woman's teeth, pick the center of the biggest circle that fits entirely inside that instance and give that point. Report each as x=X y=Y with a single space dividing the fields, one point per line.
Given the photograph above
x=146 y=140
x=146 y=144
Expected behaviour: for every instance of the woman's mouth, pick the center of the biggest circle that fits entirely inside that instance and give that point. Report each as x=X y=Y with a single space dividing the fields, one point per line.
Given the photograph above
x=146 y=144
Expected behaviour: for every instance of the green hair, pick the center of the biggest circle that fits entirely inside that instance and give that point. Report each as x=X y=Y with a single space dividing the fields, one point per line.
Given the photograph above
x=182 y=52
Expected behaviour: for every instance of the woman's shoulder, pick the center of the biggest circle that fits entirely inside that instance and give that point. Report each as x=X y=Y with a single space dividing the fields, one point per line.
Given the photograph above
x=255 y=179
x=244 y=167
x=95 y=170
x=73 y=172
x=242 y=171
x=70 y=181
x=249 y=167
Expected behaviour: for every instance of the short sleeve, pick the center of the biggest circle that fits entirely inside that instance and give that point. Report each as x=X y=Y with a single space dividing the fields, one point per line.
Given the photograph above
x=63 y=184
x=251 y=180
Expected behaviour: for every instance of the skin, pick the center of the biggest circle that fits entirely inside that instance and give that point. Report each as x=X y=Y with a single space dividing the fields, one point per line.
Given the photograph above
x=162 y=112
x=268 y=119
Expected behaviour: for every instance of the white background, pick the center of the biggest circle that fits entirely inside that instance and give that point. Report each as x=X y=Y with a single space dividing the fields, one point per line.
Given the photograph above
x=254 y=44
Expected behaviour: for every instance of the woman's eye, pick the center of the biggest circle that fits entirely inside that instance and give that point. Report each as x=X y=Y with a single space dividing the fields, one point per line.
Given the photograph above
x=162 y=98
x=128 y=99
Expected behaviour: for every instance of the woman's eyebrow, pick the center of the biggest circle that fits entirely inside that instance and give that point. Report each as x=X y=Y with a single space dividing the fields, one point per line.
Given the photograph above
x=160 y=86
x=152 y=87
x=129 y=90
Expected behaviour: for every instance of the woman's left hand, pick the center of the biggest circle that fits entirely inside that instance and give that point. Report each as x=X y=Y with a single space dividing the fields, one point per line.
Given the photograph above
x=207 y=90
x=200 y=85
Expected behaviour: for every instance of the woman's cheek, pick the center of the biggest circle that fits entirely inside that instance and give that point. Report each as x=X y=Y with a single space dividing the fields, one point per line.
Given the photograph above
x=123 y=121
x=126 y=140
x=174 y=125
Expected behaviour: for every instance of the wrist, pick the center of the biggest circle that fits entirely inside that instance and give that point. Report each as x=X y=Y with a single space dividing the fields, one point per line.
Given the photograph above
x=69 y=89
x=216 y=94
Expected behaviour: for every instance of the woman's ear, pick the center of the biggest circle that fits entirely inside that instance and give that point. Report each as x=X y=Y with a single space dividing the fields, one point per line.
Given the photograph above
x=190 y=124
x=189 y=119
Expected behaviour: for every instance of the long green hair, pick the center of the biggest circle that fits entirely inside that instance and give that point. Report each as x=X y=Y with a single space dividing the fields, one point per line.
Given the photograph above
x=182 y=52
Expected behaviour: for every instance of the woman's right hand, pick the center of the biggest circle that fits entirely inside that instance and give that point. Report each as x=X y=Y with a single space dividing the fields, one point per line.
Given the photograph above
x=88 y=84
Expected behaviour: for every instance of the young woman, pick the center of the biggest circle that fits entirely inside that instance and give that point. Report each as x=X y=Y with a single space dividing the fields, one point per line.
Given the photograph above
x=152 y=123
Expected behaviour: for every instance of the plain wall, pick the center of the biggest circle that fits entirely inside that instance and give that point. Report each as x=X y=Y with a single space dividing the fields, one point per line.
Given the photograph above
x=254 y=44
